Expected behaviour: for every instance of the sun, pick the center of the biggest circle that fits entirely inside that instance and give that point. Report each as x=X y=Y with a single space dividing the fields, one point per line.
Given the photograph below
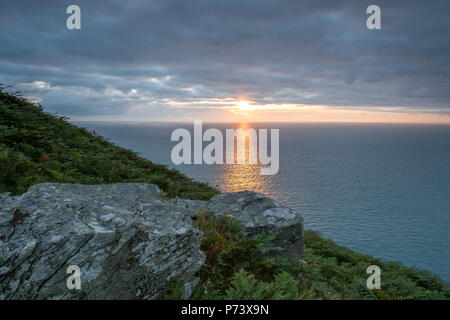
x=243 y=105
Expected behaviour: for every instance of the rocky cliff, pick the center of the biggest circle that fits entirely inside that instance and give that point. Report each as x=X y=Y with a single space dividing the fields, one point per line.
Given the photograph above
x=127 y=240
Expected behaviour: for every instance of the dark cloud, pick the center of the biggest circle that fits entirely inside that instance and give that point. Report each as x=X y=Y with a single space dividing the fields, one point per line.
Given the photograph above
x=134 y=53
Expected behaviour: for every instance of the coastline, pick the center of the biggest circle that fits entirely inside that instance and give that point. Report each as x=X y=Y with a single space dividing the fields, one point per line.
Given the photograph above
x=49 y=149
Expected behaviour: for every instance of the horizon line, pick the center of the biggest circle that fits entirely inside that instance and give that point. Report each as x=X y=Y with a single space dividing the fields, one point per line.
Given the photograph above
x=256 y=121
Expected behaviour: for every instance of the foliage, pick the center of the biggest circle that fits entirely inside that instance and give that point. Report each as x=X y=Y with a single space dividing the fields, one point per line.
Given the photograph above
x=338 y=272
x=246 y=286
x=235 y=269
x=38 y=147
x=174 y=290
x=228 y=250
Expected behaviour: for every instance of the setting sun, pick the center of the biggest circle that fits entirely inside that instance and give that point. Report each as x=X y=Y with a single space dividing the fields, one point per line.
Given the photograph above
x=243 y=105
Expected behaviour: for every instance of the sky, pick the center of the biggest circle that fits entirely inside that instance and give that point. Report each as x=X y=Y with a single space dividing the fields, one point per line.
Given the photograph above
x=229 y=60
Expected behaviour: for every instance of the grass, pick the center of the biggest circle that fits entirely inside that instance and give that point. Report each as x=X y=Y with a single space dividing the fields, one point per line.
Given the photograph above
x=39 y=147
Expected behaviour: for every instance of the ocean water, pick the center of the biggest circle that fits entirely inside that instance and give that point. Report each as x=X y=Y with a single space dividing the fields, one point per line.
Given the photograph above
x=383 y=190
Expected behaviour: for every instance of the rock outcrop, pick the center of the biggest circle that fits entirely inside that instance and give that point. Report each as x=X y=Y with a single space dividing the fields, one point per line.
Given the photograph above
x=127 y=240
x=260 y=214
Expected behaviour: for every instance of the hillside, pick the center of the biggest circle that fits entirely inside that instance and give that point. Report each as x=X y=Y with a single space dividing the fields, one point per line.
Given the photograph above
x=38 y=147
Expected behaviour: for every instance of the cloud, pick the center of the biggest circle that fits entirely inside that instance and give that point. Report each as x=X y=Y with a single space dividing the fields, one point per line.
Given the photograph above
x=266 y=51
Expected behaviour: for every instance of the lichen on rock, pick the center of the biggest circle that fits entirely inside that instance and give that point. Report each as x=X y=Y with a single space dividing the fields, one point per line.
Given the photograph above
x=127 y=240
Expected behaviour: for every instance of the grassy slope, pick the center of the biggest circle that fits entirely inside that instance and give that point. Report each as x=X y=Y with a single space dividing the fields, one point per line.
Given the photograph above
x=38 y=147
x=234 y=270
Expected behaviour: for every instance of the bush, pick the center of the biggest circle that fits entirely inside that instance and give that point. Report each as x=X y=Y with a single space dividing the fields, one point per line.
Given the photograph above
x=235 y=268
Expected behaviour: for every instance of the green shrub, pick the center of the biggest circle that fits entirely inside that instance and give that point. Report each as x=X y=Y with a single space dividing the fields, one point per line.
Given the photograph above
x=174 y=290
x=236 y=269
x=338 y=272
x=245 y=286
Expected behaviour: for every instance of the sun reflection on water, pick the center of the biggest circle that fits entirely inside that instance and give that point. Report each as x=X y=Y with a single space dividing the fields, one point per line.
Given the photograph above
x=240 y=177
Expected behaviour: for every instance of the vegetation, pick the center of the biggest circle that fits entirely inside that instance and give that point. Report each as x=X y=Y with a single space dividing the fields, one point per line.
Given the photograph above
x=38 y=147
x=235 y=269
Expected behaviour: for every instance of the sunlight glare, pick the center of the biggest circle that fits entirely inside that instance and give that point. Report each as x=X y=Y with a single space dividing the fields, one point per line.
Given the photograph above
x=243 y=105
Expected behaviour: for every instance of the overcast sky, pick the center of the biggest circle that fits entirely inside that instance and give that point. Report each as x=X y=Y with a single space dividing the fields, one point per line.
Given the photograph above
x=165 y=59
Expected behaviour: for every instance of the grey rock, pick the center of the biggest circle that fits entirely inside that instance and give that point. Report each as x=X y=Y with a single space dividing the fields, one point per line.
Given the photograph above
x=126 y=239
x=190 y=207
x=260 y=214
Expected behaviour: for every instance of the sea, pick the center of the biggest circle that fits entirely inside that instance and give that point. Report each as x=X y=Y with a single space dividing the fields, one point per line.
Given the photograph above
x=379 y=189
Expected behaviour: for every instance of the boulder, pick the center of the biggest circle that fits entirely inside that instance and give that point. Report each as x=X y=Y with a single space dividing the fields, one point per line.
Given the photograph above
x=127 y=241
x=190 y=207
x=260 y=214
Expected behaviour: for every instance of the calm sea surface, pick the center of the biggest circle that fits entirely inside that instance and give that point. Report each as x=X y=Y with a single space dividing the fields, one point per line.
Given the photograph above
x=383 y=190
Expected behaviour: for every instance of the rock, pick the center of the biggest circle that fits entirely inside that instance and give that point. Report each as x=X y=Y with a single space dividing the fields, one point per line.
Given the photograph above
x=190 y=207
x=260 y=214
x=127 y=240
